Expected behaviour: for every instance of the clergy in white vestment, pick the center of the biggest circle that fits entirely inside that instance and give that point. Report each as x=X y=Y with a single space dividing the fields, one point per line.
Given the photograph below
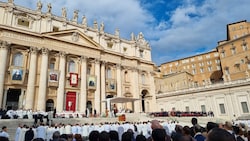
x=106 y=127
x=120 y=131
x=79 y=129
x=68 y=129
x=74 y=129
x=41 y=131
x=91 y=127
x=30 y=115
x=18 y=131
x=62 y=129
x=49 y=132
x=85 y=131
x=22 y=132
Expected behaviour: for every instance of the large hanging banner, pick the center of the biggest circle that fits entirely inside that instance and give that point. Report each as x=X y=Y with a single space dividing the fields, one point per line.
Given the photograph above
x=17 y=75
x=73 y=79
x=111 y=85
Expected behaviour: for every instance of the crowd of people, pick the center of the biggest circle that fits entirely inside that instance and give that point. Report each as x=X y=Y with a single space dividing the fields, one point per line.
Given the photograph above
x=127 y=131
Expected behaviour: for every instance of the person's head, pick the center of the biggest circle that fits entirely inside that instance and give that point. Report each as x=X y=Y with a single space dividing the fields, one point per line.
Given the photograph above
x=218 y=134
x=228 y=125
x=64 y=136
x=159 y=135
x=78 y=137
x=179 y=129
x=56 y=135
x=113 y=135
x=127 y=136
x=197 y=128
x=140 y=138
x=4 y=128
x=186 y=130
x=155 y=124
x=104 y=136
x=94 y=136
x=211 y=125
x=194 y=121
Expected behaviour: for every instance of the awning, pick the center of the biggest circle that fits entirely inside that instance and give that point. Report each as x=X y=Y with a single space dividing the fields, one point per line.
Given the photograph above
x=122 y=99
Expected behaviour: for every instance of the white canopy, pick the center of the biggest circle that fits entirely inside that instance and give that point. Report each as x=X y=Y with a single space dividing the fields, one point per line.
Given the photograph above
x=122 y=99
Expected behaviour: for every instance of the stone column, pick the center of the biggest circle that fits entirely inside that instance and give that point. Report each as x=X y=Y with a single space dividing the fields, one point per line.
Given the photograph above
x=61 y=83
x=29 y=99
x=5 y=98
x=83 y=87
x=21 y=98
x=41 y=99
x=152 y=102
x=97 y=91
x=103 y=87
x=118 y=80
x=136 y=94
x=4 y=47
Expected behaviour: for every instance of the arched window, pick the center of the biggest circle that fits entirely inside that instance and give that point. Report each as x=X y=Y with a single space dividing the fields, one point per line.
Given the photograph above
x=52 y=63
x=126 y=76
x=143 y=78
x=89 y=70
x=18 y=59
x=109 y=73
x=72 y=66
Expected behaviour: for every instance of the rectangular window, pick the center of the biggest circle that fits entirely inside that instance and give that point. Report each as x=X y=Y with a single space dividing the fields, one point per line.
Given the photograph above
x=233 y=50
x=223 y=54
x=244 y=47
x=141 y=53
x=55 y=29
x=244 y=107
x=23 y=22
x=201 y=70
x=194 y=71
x=52 y=66
x=209 y=68
x=187 y=108
x=109 y=44
x=227 y=71
x=203 y=108
x=222 y=108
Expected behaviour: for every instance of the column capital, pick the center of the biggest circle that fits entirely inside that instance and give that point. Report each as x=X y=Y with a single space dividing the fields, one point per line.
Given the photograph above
x=135 y=69
x=4 y=44
x=33 y=50
x=45 y=51
x=103 y=62
x=62 y=53
x=97 y=61
x=84 y=58
x=118 y=66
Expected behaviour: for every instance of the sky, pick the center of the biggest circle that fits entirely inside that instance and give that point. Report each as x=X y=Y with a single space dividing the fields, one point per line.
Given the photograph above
x=175 y=29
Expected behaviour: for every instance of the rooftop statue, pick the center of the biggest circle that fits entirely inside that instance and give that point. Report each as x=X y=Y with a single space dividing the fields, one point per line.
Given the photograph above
x=84 y=21
x=64 y=12
x=49 y=7
x=39 y=5
x=102 y=27
x=75 y=16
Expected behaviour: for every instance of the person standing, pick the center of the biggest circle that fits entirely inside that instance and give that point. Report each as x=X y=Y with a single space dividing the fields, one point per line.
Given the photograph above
x=18 y=131
x=29 y=134
x=4 y=133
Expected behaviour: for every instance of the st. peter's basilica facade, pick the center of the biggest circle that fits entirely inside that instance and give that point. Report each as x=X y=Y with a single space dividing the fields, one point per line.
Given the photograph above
x=50 y=61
